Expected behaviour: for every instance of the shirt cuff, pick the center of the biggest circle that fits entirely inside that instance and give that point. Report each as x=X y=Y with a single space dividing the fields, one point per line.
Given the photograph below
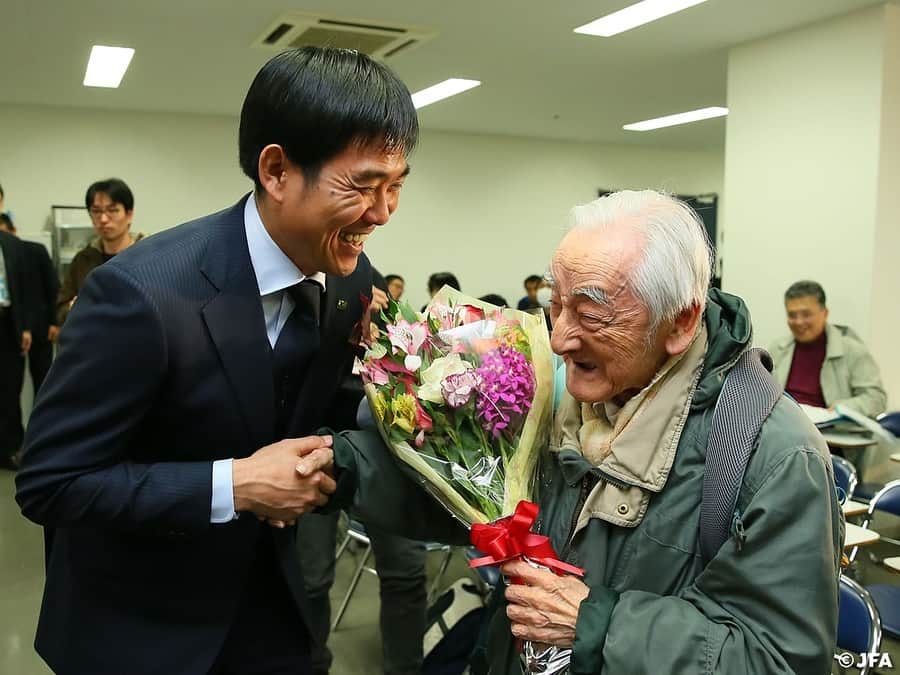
x=222 y=508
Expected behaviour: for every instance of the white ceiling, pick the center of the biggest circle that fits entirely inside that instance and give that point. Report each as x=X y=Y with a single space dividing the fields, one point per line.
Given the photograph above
x=539 y=78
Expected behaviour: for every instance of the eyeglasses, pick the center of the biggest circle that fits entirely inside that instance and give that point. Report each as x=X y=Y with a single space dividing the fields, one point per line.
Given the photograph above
x=111 y=211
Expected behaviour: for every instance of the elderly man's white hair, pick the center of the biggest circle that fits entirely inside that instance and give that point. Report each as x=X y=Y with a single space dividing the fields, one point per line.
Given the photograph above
x=674 y=270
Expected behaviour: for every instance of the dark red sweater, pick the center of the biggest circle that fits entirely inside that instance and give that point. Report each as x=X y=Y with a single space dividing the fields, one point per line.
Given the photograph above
x=804 y=382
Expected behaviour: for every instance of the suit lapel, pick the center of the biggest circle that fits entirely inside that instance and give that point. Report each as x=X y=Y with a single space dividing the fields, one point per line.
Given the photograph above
x=237 y=326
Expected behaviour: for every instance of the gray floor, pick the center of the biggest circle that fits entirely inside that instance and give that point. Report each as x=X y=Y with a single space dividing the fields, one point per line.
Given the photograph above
x=356 y=645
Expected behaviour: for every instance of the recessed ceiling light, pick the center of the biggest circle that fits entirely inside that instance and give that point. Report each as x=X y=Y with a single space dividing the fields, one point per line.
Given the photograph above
x=680 y=118
x=107 y=66
x=442 y=90
x=634 y=16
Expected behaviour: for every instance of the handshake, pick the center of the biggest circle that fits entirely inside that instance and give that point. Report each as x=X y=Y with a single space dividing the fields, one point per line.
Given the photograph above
x=284 y=480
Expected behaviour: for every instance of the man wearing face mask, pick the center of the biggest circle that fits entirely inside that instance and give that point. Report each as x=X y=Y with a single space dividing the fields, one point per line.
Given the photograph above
x=822 y=364
x=532 y=283
x=542 y=297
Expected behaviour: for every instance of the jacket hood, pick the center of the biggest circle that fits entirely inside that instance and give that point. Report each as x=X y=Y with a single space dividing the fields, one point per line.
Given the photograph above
x=730 y=334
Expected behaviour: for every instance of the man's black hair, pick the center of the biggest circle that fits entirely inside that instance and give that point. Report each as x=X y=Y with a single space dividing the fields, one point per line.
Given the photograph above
x=494 y=299
x=806 y=289
x=315 y=102
x=440 y=279
x=114 y=188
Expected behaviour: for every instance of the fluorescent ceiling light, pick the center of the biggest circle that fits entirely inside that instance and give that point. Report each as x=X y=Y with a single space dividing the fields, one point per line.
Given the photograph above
x=680 y=118
x=634 y=16
x=442 y=90
x=107 y=66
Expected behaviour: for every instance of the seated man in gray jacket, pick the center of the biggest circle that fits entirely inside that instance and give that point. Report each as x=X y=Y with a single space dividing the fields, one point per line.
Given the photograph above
x=822 y=364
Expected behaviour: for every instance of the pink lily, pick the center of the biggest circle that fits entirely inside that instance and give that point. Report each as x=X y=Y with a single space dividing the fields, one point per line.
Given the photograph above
x=407 y=337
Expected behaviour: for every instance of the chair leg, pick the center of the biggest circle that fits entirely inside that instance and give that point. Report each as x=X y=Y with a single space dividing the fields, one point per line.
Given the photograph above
x=342 y=548
x=436 y=584
x=353 y=583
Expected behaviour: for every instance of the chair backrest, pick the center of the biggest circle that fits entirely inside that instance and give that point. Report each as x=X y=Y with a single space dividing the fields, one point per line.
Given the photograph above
x=859 y=624
x=844 y=475
x=891 y=422
x=887 y=499
x=489 y=575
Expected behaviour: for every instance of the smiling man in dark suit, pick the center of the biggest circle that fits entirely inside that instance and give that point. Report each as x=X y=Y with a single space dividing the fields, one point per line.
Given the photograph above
x=183 y=363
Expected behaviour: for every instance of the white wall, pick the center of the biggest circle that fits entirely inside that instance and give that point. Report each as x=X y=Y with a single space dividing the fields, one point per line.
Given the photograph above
x=885 y=299
x=490 y=209
x=801 y=168
x=179 y=166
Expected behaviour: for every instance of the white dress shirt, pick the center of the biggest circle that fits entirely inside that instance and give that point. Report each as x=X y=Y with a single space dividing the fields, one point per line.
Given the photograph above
x=274 y=273
x=5 y=296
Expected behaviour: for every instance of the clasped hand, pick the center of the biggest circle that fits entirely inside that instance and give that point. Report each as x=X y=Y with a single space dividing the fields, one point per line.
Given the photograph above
x=284 y=480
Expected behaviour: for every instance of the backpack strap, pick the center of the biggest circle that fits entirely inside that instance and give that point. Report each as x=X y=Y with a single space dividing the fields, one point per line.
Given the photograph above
x=748 y=395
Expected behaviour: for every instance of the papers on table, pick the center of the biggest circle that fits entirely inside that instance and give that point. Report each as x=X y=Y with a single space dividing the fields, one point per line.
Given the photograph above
x=864 y=422
x=846 y=421
x=821 y=417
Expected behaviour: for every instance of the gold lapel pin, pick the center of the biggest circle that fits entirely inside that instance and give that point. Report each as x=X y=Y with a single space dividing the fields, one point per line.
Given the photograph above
x=342 y=304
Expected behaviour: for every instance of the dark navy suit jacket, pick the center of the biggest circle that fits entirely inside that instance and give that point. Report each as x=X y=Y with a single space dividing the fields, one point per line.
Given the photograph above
x=13 y=252
x=164 y=366
x=42 y=288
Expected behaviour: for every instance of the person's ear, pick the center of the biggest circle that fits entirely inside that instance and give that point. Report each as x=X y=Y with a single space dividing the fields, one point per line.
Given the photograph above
x=272 y=168
x=682 y=331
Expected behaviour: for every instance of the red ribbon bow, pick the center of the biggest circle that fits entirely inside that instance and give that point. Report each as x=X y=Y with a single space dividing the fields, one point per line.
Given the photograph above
x=511 y=538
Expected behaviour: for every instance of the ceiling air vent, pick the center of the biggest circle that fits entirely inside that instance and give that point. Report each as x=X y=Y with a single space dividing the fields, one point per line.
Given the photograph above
x=375 y=38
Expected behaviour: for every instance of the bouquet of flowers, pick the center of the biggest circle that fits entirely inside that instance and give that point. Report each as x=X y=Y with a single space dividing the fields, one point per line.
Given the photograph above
x=462 y=394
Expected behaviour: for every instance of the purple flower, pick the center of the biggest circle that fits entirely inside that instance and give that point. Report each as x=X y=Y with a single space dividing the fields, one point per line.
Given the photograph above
x=458 y=389
x=505 y=394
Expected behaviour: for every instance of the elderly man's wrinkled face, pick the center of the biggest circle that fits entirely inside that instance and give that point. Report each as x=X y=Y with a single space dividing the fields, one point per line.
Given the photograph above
x=599 y=326
x=806 y=318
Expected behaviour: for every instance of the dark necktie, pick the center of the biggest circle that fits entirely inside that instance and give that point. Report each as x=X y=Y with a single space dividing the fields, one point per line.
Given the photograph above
x=296 y=344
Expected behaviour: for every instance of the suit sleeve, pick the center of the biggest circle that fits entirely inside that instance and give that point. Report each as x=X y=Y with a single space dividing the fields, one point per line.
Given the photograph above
x=49 y=285
x=867 y=393
x=383 y=492
x=77 y=467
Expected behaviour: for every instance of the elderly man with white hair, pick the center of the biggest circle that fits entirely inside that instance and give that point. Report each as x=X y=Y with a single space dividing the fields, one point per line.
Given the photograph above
x=647 y=346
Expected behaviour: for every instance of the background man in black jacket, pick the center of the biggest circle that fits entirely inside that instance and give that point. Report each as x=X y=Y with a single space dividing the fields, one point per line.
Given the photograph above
x=15 y=341
x=42 y=287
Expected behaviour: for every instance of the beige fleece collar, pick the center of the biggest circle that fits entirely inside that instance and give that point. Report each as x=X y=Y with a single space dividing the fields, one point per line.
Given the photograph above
x=638 y=448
